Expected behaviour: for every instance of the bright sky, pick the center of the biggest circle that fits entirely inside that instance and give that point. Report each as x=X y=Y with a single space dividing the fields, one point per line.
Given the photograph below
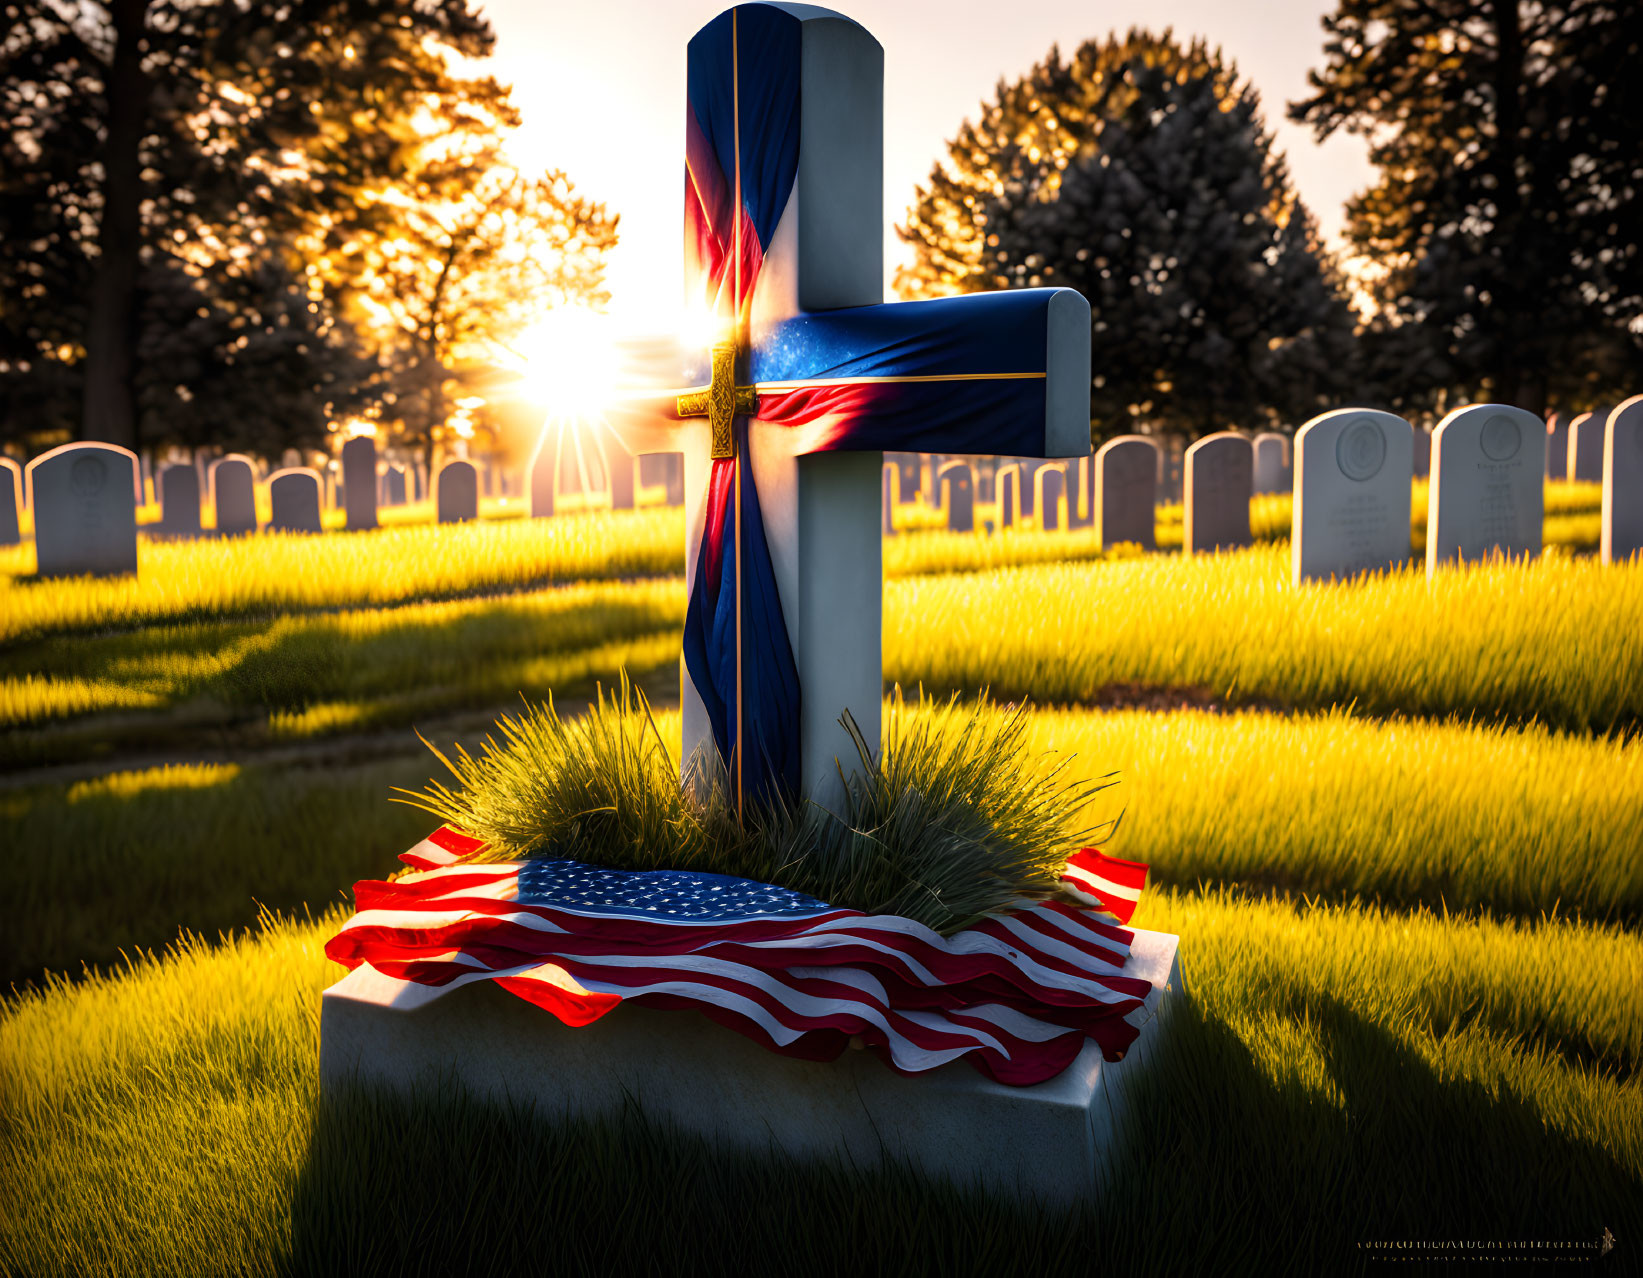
x=602 y=87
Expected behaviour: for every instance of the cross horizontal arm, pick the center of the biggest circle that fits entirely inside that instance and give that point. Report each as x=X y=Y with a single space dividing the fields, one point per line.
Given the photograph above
x=987 y=373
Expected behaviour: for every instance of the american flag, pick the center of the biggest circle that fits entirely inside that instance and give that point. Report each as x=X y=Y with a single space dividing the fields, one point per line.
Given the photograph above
x=1016 y=994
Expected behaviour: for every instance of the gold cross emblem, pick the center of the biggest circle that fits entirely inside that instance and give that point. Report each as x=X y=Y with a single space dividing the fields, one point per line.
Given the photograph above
x=722 y=402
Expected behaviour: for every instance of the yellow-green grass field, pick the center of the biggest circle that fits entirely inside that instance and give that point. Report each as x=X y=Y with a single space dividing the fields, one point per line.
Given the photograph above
x=1413 y=981
x=1468 y=818
x=1334 y=1074
x=1555 y=639
x=210 y=579
x=301 y=676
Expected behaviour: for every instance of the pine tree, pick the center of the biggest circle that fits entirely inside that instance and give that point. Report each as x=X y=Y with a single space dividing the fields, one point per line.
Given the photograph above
x=1141 y=174
x=1507 y=219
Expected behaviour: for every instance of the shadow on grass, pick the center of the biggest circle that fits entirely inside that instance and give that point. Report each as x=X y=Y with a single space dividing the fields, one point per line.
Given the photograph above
x=1230 y=1171
x=112 y=872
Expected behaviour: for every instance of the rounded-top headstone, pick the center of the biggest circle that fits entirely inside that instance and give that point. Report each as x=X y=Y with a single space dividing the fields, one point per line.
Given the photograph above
x=11 y=502
x=1557 y=446
x=1422 y=440
x=619 y=465
x=1353 y=468
x=1488 y=493
x=1585 y=448
x=958 y=493
x=234 y=495
x=1049 y=487
x=543 y=473
x=1007 y=491
x=180 y=500
x=393 y=486
x=359 y=482
x=457 y=489
x=1126 y=487
x=1219 y=480
x=1623 y=482
x=1271 y=462
x=293 y=498
x=84 y=498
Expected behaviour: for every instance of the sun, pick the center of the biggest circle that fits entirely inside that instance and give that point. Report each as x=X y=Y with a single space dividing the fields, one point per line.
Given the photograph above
x=571 y=362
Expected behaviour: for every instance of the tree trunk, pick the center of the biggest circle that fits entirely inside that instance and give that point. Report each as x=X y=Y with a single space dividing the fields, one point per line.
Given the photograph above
x=110 y=406
x=1519 y=359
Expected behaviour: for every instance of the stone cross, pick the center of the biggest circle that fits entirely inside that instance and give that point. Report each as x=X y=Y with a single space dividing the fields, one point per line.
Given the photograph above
x=784 y=417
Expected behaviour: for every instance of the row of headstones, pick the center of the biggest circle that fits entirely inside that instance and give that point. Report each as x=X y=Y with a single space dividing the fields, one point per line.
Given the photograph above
x=1575 y=445
x=1017 y=481
x=85 y=496
x=84 y=525
x=1351 y=510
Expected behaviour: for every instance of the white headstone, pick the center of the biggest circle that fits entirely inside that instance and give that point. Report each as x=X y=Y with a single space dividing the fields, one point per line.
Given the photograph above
x=958 y=495
x=294 y=500
x=1488 y=484
x=1081 y=492
x=1422 y=466
x=887 y=500
x=458 y=492
x=1353 y=469
x=907 y=466
x=1126 y=482
x=11 y=502
x=1557 y=446
x=179 y=500
x=542 y=472
x=393 y=486
x=619 y=465
x=1623 y=482
x=1219 y=479
x=1585 y=451
x=1171 y=469
x=666 y=471
x=1051 y=486
x=1007 y=490
x=1271 y=462
x=84 y=499
x=821 y=272
x=930 y=479
x=233 y=496
x=359 y=482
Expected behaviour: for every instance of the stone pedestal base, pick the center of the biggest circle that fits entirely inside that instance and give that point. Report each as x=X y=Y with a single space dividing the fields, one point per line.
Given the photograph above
x=1045 y=1142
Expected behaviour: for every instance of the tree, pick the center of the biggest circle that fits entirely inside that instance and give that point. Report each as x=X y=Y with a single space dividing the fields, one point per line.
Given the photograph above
x=151 y=140
x=1508 y=211
x=465 y=252
x=1141 y=174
